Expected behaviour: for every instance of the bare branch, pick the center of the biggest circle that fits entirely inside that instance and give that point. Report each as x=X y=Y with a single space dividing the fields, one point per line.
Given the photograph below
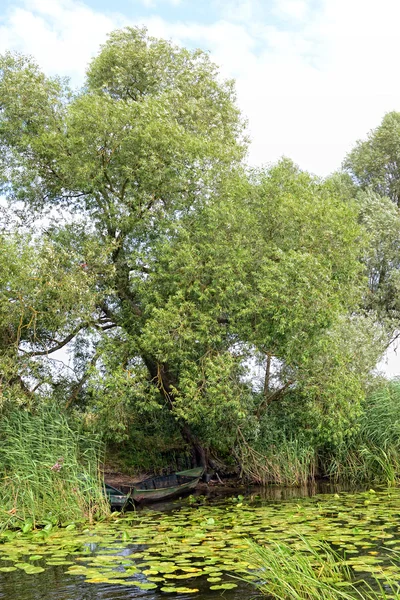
x=272 y=397
x=59 y=344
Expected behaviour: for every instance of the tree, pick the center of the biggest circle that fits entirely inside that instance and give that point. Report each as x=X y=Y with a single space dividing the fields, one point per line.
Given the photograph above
x=267 y=269
x=150 y=136
x=374 y=165
x=190 y=265
x=46 y=299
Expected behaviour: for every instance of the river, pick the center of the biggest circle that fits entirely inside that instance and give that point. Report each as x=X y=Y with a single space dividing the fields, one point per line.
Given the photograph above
x=198 y=548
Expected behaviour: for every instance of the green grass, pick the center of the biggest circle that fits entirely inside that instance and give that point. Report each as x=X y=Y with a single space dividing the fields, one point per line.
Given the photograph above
x=283 y=455
x=373 y=453
x=49 y=470
x=314 y=573
x=282 y=573
x=290 y=462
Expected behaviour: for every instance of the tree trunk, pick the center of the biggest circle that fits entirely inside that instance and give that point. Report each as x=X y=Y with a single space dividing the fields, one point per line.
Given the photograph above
x=161 y=376
x=198 y=450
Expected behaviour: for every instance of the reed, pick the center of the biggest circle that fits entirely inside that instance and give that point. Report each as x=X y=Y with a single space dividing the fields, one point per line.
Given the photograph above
x=314 y=573
x=49 y=470
x=373 y=454
x=280 y=572
x=289 y=461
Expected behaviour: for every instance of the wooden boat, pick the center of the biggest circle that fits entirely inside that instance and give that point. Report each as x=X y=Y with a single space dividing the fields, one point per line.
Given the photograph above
x=165 y=487
x=116 y=498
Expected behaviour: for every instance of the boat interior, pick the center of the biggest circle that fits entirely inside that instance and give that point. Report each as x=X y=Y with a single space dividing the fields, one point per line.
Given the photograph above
x=167 y=481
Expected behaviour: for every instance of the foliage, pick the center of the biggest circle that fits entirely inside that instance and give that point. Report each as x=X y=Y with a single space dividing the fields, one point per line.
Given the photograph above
x=374 y=167
x=247 y=278
x=333 y=381
x=169 y=266
x=381 y=220
x=45 y=298
x=49 y=470
x=374 y=163
x=151 y=135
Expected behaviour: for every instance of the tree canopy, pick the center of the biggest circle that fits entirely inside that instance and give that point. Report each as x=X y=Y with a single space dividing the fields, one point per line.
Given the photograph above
x=170 y=265
x=375 y=162
x=374 y=165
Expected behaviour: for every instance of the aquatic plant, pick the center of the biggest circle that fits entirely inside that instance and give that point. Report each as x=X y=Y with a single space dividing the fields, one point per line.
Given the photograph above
x=49 y=471
x=288 y=462
x=207 y=546
x=280 y=572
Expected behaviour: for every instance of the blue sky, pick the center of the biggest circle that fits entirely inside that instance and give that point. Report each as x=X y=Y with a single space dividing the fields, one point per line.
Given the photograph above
x=312 y=76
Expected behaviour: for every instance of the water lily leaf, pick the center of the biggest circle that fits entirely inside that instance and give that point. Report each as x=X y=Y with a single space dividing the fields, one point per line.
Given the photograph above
x=32 y=570
x=22 y=565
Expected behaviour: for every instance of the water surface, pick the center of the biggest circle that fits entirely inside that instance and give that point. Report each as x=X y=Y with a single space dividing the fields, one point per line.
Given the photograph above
x=197 y=550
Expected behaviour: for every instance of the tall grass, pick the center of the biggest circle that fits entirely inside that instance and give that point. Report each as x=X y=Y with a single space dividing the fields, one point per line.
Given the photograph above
x=49 y=470
x=281 y=573
x=373 y=453
x=291 y=462
x=283 y=455
x=314 y=573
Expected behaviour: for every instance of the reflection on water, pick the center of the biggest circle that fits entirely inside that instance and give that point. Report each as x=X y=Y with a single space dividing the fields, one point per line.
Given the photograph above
x=277 y=493
x=55 y=584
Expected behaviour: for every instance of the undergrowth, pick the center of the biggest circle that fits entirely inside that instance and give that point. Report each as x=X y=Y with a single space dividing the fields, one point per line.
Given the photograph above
x=285 y=453
x=373 y=453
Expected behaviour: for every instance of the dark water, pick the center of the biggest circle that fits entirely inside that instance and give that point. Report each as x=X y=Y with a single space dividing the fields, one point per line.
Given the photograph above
x=363 y=523
x=55 y=585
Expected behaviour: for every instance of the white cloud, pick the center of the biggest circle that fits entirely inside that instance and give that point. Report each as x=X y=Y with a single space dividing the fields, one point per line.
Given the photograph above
x=309 y=91
x=242 y=11
x=62 y=35
x=291 y=9
x=154 y=3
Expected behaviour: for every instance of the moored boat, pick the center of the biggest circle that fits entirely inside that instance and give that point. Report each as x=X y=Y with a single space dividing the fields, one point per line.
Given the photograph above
x=116 y=498
x=165 y=487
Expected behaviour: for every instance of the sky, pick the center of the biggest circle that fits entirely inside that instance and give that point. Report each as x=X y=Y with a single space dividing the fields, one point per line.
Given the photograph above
x=312 y=76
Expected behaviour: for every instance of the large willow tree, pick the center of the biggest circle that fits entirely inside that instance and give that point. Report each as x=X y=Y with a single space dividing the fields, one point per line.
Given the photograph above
x=190 y=266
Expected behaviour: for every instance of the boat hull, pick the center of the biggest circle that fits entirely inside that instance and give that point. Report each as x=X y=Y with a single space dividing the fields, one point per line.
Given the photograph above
x=164 y=488
x=116 y=498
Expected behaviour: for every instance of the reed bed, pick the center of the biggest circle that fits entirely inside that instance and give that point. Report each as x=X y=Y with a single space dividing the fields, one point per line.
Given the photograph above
x=373 y=453
x=280 y=572
x=288 y=462
x=49 y=471
x=316 y=572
